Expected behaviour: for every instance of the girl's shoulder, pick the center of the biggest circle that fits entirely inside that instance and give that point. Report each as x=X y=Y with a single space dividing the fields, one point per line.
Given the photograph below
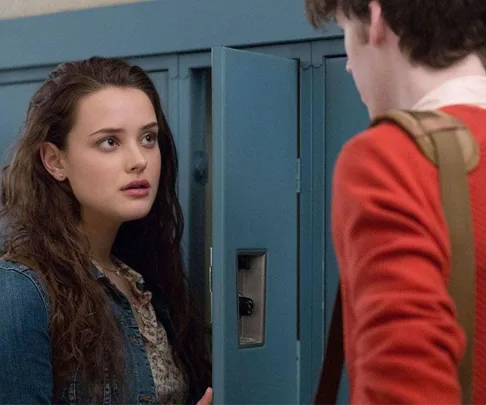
x=22 y=286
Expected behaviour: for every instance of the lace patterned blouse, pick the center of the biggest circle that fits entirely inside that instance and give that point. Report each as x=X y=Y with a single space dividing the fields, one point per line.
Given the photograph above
x=170 y=380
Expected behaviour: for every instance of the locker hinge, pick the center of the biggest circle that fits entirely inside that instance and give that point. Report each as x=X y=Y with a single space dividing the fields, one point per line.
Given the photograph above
x=210 y=276
x=298 y=175
x=298 y=372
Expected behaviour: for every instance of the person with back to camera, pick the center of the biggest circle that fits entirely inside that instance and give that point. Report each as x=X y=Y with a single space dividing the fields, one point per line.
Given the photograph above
x=95 y=306
x=404 y=335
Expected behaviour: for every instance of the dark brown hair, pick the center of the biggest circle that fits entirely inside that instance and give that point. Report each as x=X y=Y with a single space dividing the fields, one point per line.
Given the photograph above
x=436 y=33
x=43 y=218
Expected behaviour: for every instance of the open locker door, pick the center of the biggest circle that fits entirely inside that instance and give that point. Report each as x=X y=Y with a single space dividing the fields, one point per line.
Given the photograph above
x=254 y=235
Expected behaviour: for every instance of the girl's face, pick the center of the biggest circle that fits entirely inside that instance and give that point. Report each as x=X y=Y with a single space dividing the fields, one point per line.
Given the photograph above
x=112 y=159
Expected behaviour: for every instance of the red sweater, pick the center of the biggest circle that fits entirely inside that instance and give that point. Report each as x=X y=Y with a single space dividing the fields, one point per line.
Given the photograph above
x=402 y=340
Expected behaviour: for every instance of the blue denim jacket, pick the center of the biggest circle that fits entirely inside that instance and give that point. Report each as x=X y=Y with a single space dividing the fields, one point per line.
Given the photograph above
x=25 y=346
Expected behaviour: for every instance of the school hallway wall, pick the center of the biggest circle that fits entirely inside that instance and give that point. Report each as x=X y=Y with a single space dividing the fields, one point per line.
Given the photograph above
x=24 y=8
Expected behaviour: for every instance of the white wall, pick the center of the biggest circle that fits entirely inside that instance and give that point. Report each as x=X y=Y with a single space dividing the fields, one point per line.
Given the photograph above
x=23 y=8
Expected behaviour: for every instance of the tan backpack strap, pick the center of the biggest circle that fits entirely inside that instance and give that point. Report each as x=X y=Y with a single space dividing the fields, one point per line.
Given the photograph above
x=448 y=144
x=420 y=125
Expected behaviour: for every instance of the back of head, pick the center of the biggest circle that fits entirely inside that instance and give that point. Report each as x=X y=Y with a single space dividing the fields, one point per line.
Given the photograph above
x=436 y=33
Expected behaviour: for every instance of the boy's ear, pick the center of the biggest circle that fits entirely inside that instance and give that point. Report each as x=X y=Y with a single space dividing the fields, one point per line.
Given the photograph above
x=378 y=25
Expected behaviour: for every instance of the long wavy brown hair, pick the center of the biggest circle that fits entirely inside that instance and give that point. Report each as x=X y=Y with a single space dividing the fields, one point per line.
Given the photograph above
x=43 y=231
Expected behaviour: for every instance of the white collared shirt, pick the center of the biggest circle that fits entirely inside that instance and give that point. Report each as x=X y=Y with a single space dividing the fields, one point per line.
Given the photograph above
x=470 y=90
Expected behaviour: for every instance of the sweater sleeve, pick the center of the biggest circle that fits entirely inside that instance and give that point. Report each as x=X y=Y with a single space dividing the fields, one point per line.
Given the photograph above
x=402 y=340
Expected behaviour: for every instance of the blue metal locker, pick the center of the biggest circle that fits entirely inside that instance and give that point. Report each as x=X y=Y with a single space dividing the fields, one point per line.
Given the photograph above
x=255 y=121
x=14 y=99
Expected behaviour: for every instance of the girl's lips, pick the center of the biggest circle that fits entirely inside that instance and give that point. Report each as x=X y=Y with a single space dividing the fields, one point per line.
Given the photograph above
x=137 y=184
x=136 y=192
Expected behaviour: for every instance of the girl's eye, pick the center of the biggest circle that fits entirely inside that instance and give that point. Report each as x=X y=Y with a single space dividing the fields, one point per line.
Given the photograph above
x=149 y=139
x=108 y=143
